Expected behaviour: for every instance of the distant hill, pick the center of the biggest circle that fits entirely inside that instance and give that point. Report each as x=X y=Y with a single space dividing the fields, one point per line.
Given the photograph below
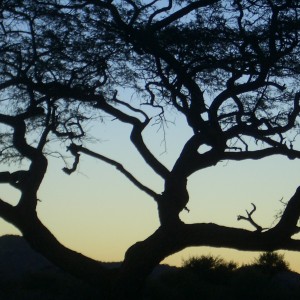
x=17 y=259
x=27 y=275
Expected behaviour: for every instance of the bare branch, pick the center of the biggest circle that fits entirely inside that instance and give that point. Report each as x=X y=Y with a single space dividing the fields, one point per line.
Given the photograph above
x=76 y=148
x=250 y=219
x=5 y=177
x=16 y=179
x=214 y=235
x=151 y=160
x=75 y=153
x=258 y=154
x=7 y=212
x=181 y=13
x=43 y=241
x=136 y=135
x=130 y=106
x=159 y=11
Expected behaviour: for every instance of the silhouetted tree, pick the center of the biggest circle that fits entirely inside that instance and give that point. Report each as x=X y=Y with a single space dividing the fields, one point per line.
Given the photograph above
x=231 y=68
x=271 y=262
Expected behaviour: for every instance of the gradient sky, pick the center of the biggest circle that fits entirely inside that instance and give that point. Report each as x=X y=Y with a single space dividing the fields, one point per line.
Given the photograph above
x=98 y=212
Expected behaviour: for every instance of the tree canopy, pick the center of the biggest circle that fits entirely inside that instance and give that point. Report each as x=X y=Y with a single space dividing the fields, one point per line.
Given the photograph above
x=231 y=69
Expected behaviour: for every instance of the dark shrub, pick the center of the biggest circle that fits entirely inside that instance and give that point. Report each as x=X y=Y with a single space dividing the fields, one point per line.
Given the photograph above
x=271 y=263
x=210 y=268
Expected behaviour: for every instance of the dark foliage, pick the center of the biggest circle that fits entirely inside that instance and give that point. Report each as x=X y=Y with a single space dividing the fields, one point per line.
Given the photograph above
x=210 y=268
x=209 y=277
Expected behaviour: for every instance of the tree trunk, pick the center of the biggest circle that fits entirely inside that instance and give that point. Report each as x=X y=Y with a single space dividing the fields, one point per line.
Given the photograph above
x=142 y=258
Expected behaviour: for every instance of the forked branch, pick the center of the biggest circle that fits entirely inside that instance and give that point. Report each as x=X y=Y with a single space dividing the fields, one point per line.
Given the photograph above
x=250 y=219
x=75 y=149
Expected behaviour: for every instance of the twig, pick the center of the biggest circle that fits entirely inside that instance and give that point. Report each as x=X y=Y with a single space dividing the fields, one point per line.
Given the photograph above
x=250 y=220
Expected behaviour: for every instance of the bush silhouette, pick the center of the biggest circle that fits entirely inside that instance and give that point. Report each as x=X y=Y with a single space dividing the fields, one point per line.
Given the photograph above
x=271 y=263
x=210 y=268
x=210 y=278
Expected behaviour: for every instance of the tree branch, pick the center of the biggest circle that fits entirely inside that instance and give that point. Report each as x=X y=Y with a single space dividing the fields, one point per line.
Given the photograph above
x=159 y=11
x=224 y=237
x=75 y=153
x=250 y=220
x=28 y=184
x=181 y=13
x=54 y=89
x=151 y=160
x=141 y=258
x=258 y=154
x=130 y=107
x=76 y=148
x=7 y=211
x=15 y=179
x=42 y=240
x=287 y=225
